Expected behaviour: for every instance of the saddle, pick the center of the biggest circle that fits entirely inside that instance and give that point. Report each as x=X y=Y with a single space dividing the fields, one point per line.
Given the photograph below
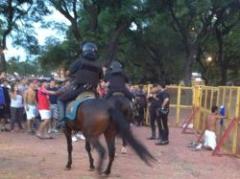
x=118 y=94
x=72 y=107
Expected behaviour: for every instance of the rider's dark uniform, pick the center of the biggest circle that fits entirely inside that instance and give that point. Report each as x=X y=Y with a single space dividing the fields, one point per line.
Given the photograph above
x=117 y=80
x=84 y=74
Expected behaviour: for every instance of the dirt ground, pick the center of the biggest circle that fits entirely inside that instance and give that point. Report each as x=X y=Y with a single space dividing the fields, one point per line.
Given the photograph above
x=26 y=157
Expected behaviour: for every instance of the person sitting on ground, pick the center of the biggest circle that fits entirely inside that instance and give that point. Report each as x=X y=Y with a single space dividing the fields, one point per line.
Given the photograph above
x=209 y=133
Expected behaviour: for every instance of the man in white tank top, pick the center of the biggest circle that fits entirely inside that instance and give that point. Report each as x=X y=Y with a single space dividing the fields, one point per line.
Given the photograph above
x=30 y=104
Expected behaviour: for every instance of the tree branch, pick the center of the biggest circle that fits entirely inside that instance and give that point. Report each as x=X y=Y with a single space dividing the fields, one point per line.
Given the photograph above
x=62 y=8
x=113 y=43
x=10 y=14
x=180 y=28
x=74 y=3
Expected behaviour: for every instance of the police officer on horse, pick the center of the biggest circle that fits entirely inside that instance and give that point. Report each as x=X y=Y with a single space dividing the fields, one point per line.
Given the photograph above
x=117 y=79
x=84 y=74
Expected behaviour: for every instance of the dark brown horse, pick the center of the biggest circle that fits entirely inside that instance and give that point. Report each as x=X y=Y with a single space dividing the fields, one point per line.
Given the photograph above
x=96 y=117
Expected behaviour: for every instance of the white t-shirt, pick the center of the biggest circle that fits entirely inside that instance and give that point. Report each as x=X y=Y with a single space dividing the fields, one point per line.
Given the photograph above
x=17 y=102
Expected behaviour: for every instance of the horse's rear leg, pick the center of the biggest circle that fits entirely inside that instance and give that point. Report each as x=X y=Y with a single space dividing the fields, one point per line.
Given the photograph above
x=124 y=144
x=110 y=139
x=68 y=134
x=101 y=151
x=88 y=149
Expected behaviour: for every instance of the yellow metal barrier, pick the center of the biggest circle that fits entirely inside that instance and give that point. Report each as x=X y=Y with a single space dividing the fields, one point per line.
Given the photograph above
x=229 y=97
x=181 y=103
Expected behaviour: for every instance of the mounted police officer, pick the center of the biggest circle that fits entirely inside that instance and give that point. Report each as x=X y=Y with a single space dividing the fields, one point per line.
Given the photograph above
x=117 y=79
x=84 y=74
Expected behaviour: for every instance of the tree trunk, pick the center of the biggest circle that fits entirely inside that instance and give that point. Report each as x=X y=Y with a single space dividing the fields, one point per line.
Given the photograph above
x=76 y=31
x=202 y=66
x=3 y=64
x=191 y=53
x=222 y=66
x=156 y=58
x=188 y=72
x=112 y=48
x=223 y=75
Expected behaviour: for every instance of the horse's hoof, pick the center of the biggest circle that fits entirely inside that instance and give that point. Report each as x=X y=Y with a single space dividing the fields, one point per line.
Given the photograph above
x=107 y=172
x=99 y=171
x=92 y=168
x=68 y=167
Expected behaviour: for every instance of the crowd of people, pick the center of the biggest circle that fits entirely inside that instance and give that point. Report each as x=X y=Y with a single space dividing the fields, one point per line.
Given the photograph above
x=31 y=105
x=26 y=103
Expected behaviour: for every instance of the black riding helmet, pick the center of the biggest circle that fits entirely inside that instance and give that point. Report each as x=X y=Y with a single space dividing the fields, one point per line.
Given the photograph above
x=116 y=66
x=89 y=51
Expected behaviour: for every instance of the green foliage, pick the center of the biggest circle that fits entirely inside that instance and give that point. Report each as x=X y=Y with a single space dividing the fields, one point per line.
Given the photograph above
x=58 y=54
x=16 y=20
x=155 y=40
x=25 y=67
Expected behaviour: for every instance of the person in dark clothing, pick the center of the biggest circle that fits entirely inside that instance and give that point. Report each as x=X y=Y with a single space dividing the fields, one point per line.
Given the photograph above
x=53 y=98
x=84 y=75
x=140 y=103
x=162 y=115
x=4 y=105
x=153 y=106
x=117 y=80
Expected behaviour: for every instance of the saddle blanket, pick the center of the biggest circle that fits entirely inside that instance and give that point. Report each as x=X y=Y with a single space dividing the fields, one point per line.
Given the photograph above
x=72 y=107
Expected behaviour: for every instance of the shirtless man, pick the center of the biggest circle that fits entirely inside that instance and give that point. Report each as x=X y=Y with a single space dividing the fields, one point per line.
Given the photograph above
x=209 y=134
x=30 y=106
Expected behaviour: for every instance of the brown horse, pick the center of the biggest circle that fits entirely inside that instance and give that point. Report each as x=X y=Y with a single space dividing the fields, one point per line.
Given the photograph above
x=96 y=117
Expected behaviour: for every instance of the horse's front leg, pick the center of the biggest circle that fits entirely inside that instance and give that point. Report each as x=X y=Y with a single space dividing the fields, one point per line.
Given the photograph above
x=110 y=139
x=68 y=134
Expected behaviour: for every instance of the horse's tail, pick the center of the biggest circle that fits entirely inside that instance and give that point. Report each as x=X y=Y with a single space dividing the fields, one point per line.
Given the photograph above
x=118 y=104
x=125 y=132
